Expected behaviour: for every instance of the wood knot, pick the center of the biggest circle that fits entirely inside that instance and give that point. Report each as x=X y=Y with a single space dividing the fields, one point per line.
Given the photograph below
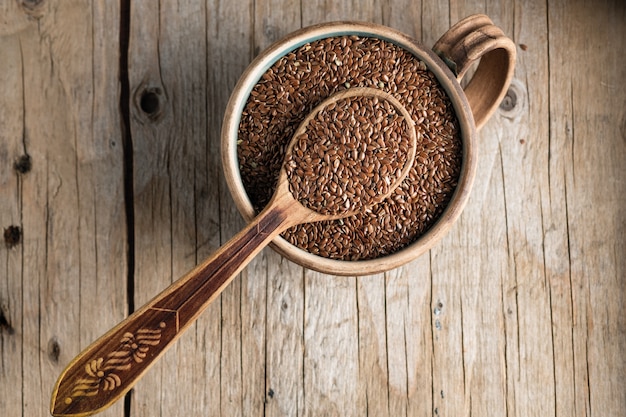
x=54 y=350
x=12 y=236
x=509 y=101
x=438 y=308
x=23 y=164
x=513 y=103
x=151 y=102
x=5 y=326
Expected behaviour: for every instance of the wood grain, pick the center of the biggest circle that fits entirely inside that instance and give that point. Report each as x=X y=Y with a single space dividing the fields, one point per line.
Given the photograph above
x=519 y=311
x=66 y=279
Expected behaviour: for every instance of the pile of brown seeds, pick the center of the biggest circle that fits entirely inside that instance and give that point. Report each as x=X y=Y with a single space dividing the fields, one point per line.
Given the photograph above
x=349 y=156
x=298 y=82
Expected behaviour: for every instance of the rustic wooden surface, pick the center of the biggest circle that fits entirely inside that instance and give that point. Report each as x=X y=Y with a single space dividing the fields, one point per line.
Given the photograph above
x=519 y=311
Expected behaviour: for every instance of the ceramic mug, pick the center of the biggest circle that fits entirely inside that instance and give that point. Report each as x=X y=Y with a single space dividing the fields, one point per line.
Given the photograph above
x=473 y=39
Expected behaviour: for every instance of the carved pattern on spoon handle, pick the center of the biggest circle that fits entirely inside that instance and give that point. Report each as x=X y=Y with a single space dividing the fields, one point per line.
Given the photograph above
x=100 y=377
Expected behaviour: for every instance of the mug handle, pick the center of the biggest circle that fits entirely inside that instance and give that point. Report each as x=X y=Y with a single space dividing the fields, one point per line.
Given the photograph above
x=473 y=38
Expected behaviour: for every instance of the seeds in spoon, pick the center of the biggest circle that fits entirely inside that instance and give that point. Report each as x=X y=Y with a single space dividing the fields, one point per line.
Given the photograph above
x=349 y=156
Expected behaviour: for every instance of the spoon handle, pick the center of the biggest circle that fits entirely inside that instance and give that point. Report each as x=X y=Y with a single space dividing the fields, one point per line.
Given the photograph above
x=110 y=366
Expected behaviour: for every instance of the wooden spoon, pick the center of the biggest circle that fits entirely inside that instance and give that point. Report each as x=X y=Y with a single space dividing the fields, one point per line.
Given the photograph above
x=110 y=366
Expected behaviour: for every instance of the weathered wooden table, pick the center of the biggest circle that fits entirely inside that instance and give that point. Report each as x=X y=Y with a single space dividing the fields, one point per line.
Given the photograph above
x=111 y=188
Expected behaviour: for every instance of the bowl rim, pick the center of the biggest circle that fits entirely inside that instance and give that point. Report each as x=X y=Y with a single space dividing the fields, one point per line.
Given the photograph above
x=267 y=58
